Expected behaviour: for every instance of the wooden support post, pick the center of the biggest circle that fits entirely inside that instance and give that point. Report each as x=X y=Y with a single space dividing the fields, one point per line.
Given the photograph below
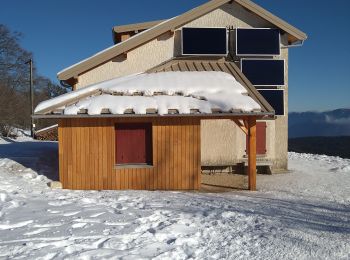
x=252 y=153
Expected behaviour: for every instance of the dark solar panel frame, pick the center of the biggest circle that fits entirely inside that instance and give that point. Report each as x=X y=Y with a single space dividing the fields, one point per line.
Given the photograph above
x=263 y=84
x=258 y=53
x=277 y=105
x=225 y=53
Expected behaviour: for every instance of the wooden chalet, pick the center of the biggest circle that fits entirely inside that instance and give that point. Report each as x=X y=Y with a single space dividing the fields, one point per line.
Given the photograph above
x=145 y=151
x=113 y=135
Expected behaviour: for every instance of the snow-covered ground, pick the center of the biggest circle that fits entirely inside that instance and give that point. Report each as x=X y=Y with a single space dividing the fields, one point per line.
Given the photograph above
x=304 y=214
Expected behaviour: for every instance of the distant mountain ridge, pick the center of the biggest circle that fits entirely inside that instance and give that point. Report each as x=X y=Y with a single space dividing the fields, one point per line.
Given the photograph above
x=329 y=145
x=329 y=123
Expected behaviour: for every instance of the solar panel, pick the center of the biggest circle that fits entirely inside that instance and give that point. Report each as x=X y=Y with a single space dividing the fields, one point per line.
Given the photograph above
x=264 y=72
x=204 y=41
x=257 y=42
x=275 y=97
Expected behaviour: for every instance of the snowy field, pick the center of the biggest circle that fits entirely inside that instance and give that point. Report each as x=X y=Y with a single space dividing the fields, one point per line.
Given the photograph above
x=304 y=214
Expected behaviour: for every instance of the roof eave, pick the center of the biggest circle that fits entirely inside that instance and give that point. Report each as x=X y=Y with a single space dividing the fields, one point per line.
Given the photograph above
x=132 y=28
x=136 y=26
x=139 y=39
x=199 y=115
x=278 y=22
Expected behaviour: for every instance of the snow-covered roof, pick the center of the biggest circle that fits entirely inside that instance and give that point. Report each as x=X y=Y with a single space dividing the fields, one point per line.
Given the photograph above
x=162 y=93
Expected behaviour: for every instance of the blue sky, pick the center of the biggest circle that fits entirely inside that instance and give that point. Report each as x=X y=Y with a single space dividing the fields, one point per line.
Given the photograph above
x=61 y=33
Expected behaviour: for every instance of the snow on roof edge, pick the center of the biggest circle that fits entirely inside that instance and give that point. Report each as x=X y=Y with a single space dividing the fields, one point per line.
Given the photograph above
x=76 y=93
x=183 y=91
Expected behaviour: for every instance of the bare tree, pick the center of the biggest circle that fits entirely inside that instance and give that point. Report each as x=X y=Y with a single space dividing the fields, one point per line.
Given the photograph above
x=14 y=83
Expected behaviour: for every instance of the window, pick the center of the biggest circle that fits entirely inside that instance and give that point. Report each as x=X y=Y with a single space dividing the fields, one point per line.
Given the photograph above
x=133 y=143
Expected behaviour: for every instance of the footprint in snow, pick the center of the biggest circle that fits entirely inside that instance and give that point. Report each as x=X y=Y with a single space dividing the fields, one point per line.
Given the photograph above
x=119 y=206
x=116 y=244
x=16 y=204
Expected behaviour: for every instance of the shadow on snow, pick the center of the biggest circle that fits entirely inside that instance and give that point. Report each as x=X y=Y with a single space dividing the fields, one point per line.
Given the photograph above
x=41 y=157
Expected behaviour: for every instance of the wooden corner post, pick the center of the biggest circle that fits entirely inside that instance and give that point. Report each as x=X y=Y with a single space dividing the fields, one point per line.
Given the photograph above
x=252 y=153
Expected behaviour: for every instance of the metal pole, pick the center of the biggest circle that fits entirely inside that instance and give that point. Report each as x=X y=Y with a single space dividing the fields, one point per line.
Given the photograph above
x=31 y=98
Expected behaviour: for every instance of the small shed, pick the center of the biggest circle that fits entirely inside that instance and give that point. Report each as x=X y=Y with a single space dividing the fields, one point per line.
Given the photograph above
x=143 y=131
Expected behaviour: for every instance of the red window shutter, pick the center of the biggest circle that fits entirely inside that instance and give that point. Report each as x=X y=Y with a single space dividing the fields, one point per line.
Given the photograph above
x=260 y=138
x=133 y=143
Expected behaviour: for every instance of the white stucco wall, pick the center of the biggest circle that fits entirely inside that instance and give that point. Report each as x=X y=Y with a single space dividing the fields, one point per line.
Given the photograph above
x=138 y=60
x=223 y=143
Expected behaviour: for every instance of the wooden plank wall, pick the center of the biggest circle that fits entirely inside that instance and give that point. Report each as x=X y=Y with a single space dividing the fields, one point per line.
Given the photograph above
x=87 y=155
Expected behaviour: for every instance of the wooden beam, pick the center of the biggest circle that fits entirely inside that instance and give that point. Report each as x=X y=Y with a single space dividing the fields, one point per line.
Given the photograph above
x=245 y=122
x=82 y=111
x=125 y=36
x=121 y=57
x=173 y=111
x=194 y=111
x=241 y=125
x=216 y=110
x=151 y=111
x=105 y=111
x=73 y=82
x=166 y=35
x=58 y=111
x=252 y=153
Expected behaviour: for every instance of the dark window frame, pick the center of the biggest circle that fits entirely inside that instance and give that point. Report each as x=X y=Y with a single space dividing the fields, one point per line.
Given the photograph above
x=248 y=42
x=204 y=41
x=264 y=72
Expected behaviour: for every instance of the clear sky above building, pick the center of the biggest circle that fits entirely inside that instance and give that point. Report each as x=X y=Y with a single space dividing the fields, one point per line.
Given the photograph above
x=63 y=32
